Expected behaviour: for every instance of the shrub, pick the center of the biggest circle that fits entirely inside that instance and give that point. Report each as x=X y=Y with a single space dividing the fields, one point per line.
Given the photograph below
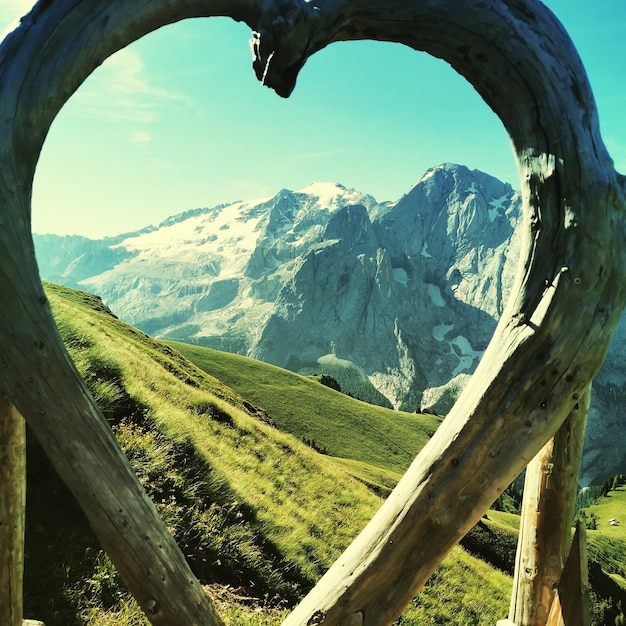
x=329 y=381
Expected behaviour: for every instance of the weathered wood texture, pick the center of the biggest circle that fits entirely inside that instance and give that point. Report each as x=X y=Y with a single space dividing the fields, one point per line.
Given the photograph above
x=545 y=528
x=41 y=64
x=571 y=602
x=553 y=336
x=12 y=512
x=567 y=298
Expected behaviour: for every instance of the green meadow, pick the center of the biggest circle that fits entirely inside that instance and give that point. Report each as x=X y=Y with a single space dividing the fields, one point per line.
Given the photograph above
x=262 y=476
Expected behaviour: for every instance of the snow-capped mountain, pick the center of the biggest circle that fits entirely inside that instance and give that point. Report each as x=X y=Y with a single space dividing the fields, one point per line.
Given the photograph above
x=400 y=299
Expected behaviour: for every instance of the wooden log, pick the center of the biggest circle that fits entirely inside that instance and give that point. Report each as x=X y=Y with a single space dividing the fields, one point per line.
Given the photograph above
x=550 y=493
x=12 y=512
x=554 y=333
x=571 y=601
x=568 y=296
x=41 y=64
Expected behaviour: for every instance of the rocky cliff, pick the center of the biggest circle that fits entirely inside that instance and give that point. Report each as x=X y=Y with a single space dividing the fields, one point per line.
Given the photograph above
x=396 y=300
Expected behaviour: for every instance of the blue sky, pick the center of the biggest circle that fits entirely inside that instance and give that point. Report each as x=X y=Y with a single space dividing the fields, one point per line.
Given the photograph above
x=179 y=121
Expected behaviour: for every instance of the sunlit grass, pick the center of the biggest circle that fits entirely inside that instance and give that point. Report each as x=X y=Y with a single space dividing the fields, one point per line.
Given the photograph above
x=607 y=543
x=380 y=480
x=251 y=506
x=299 y=405
x=463 y=591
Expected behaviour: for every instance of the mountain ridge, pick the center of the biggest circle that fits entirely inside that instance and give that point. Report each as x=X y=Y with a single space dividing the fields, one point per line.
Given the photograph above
x=408 y=292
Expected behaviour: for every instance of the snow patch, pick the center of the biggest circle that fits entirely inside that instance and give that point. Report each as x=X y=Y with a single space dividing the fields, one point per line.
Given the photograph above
x=472 y=188
x=435 y=295
x=400 y=276
x=426 y=176
x=468 y=354
x=424 y=251
x=429 y=174
x=497 y=205
x=440 y=331
x=204 y=234
x=326 y=193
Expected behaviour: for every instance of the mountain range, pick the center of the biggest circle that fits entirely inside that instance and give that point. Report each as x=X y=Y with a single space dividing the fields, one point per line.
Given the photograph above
x=396 y=300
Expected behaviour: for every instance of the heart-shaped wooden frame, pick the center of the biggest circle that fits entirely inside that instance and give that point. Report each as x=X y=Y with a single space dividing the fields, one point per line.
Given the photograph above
x=568 y=296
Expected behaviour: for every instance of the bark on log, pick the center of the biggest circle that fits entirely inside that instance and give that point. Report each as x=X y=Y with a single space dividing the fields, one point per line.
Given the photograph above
x=12 y=512
x=41 y=64
x=567 y=299
x=545 y=529
x=571 y=601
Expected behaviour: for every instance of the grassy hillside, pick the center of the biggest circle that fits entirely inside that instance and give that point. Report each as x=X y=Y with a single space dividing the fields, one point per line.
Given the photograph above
x=494 y=539
x=607 y=543
x=340 y=425
x=259 y=514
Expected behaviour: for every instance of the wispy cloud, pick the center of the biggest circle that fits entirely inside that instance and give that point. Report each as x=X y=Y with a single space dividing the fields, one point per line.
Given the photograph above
x=140 y=136
x=121 y=91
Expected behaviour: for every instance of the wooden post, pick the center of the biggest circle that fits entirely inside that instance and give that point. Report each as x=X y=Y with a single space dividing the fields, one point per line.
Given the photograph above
x=545 y=527
x=12 y=512
x=571 y=601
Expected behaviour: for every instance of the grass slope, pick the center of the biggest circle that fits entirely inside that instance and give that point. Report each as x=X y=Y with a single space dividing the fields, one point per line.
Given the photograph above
x=259 y=515
x=607 y=543
x=340 y=425
x=374 y=464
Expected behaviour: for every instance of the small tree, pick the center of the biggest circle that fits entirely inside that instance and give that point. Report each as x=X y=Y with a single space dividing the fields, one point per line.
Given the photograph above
x=329 y=381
